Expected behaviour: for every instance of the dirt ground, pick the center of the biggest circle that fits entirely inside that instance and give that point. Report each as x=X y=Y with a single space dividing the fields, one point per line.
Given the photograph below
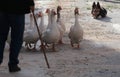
x=98 y=56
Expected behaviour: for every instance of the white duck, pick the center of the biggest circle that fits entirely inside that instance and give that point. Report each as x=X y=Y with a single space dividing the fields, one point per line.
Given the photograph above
x=60 y=23
x=31 y=35
x=52 y=34
x=76 y=31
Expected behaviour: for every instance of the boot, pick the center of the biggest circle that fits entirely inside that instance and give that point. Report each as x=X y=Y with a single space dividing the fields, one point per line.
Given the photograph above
x=14 y=68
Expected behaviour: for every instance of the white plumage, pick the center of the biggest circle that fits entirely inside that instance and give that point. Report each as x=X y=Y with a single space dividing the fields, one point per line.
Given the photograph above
x=31 y=34
x=42 y=25
x=52 y=34
x=76 y=31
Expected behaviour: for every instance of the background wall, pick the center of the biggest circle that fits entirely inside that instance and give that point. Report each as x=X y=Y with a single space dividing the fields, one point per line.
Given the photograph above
x=67 y=6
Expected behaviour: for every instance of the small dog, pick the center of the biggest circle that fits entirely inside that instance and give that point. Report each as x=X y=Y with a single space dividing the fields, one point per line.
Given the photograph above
x=97 y=10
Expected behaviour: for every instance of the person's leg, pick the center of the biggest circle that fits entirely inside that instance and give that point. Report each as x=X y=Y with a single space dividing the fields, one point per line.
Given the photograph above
x=17 y=30
x=4 y=29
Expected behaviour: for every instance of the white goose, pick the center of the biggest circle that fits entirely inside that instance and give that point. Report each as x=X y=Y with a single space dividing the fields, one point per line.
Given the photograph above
x=49 y=23
x=76 y=31
x=60 y=23
x=42 y=25
x=31 y=35
x=52 y=34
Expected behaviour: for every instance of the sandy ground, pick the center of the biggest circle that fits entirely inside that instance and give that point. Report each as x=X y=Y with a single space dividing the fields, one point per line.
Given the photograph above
x=98 y=56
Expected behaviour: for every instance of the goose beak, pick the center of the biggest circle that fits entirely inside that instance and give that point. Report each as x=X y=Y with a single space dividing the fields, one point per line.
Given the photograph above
x=76 y=11
x=40 y=14
x=47 y=10
x=53 y=11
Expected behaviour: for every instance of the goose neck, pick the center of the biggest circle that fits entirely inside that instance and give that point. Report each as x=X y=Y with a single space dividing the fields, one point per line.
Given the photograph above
x=49 y=18
x=76 y=19
x=58 y=17
x=42 y=21
x=31 y=22
x=53 y=19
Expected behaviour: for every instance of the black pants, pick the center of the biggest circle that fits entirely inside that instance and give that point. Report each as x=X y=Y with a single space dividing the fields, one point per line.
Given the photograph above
x=16 y=23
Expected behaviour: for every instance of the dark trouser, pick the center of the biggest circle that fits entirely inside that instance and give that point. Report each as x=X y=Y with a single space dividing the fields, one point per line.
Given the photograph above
x=16 y=23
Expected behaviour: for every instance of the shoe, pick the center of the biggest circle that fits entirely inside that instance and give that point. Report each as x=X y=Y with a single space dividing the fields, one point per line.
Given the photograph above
x=14 y=68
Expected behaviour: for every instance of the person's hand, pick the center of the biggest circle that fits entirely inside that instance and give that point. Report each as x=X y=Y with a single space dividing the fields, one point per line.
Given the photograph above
x=32 y=8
